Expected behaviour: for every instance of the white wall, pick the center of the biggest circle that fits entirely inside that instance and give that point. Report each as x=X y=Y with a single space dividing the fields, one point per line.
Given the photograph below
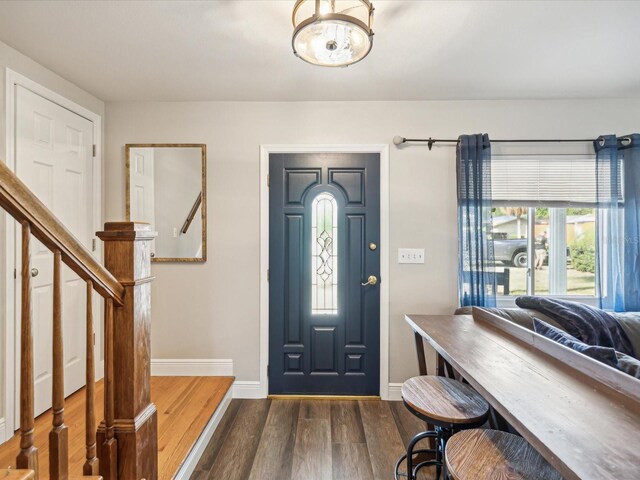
x=14 y=60
x=212 y=310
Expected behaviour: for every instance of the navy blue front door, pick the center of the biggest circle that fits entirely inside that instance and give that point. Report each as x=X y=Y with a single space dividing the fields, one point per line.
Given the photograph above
x=324 y=224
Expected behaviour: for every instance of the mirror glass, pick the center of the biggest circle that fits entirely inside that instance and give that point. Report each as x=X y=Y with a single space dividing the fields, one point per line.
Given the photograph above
x=167 y=188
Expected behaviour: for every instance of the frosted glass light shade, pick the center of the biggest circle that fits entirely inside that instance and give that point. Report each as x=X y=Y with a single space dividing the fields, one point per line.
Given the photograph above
x=335 y=34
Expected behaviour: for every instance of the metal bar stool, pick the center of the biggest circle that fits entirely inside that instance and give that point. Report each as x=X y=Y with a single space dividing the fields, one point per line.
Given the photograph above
x=489 y=454
x=448 y=405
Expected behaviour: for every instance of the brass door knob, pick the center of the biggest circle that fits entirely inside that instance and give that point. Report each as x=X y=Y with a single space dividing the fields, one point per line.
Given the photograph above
x=372 y=280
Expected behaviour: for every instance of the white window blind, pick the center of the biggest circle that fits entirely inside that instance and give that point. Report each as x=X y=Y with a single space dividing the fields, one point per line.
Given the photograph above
x=549 y=180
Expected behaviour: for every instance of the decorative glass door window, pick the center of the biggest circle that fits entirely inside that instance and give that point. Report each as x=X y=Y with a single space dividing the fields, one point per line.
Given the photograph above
x=324 y=255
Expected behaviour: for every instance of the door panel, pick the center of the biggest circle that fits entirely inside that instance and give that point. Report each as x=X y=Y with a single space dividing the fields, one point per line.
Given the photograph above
x=294 y=276
x=142 y=193
x=54 y=159
x=355 y=321
x=324 y=334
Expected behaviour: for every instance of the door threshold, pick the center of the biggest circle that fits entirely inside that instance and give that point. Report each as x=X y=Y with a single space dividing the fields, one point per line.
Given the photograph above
x=323 y=397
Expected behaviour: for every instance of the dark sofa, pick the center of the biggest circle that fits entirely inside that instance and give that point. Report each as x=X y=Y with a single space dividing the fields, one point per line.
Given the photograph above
x=629 y=321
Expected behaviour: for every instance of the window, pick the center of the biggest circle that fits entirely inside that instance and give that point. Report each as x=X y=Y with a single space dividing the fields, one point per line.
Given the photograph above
x=544 y=223
x=324 y=255
x=563 y=255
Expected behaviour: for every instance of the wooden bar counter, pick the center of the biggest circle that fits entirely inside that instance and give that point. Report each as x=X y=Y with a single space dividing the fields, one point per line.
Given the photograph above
x=581 y=415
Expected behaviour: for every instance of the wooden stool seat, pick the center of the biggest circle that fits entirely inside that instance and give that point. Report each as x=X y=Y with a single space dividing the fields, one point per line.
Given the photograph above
x=488 y=454
x=444 y=400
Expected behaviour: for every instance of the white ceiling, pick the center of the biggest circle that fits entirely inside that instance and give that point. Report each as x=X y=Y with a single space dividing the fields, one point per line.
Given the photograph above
x=240 y=50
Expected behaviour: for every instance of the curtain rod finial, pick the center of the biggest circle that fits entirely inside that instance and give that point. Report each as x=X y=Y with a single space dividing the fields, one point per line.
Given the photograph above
x=398 y=140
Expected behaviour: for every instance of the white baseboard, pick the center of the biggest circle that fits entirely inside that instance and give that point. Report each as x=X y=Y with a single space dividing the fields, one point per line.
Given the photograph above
x=395 y=392
x=3 y=431
x=190 y=463
x=244 y=389
x=191 y=367
x=247 y=390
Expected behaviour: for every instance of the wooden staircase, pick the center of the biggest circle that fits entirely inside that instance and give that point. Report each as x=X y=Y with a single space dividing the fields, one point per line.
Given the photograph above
x=124 y=445
x=9 y=474
x=12 y=474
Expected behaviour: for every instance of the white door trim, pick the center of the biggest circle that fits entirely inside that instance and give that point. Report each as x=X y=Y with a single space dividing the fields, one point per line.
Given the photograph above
x=11 y=80
x=383 y=151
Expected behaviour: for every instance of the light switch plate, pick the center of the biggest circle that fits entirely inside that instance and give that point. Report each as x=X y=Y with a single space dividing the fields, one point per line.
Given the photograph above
x=411 y=255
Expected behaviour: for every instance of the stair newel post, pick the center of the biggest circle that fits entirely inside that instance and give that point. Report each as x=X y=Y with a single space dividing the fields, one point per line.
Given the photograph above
x=28 y=456
x=128 y=258
x=59 y=435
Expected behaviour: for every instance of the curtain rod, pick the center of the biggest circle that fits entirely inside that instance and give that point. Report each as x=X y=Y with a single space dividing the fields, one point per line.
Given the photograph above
x=430 y=141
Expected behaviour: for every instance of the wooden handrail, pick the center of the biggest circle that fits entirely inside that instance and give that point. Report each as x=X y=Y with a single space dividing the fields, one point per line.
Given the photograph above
x=24 y=206
x=192 y=214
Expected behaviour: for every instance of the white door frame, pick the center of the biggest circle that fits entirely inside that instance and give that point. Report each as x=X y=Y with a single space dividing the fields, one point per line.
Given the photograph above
x=10 y=324
x=383 y=151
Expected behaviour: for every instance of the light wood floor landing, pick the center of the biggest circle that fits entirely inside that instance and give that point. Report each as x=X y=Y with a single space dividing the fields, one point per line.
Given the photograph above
x=308 y=439
x=185 y=406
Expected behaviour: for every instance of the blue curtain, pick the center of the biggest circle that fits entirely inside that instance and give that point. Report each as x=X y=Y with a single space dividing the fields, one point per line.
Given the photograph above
x=618 y=222
x=476 y=265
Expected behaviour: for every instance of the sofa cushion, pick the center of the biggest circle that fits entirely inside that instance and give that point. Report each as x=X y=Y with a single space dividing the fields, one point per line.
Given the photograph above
x=605 y=355
x=628 y=364
x=591 y=325
x=630 y=323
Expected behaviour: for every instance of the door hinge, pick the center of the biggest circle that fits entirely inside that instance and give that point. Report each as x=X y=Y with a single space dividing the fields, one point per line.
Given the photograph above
x=268 y=180
x=93 y=245
x=94 y=339
x=268 y=370
x=94 y=150
x=15 y=273
x=267 y=274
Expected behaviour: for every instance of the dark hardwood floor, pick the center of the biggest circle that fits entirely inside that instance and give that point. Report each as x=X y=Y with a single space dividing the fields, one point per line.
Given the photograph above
x=308 y=439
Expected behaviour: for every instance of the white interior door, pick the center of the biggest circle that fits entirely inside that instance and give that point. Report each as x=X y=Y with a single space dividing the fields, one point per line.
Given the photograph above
x=54 y=158
x=142 y=193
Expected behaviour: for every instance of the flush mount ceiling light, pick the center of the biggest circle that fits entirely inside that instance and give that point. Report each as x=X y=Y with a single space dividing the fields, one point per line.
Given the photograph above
x=332 y=33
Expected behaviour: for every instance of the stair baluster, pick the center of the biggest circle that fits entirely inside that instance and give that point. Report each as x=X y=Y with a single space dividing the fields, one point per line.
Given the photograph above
x=28 y=456
x=91 y=465
x=59 y=435
x=109 y=458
